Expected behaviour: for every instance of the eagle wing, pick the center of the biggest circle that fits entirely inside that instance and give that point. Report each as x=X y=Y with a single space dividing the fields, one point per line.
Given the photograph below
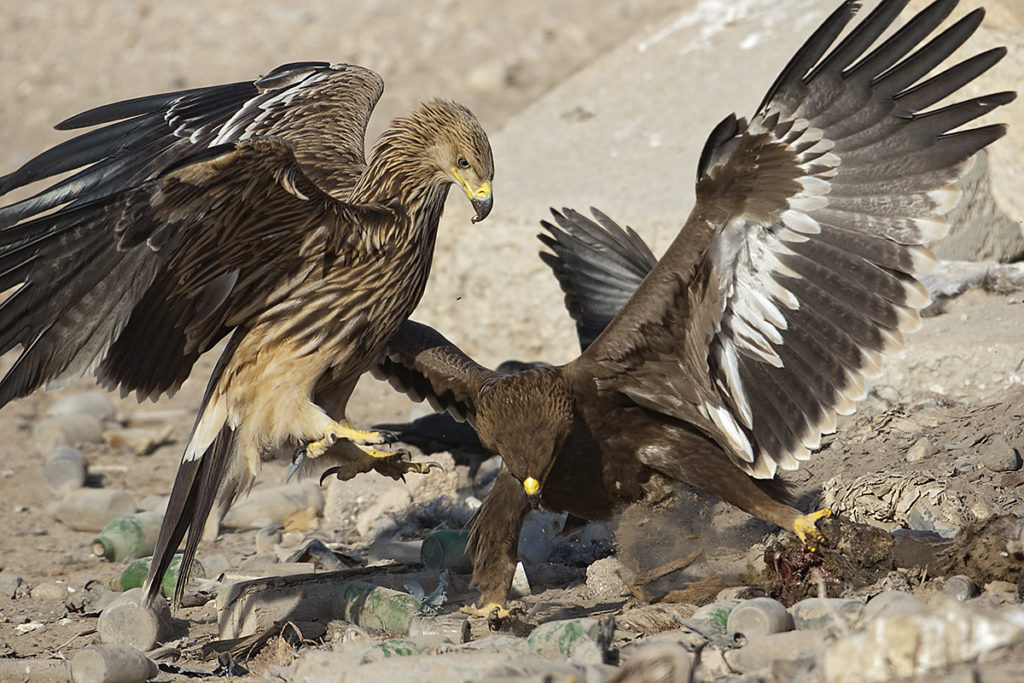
x=795 y=271
x=140 y=138
x=136 y=285
x=421 y=363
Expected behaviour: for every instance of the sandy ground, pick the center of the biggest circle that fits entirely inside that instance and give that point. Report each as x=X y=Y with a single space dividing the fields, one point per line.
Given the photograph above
x=61 y=57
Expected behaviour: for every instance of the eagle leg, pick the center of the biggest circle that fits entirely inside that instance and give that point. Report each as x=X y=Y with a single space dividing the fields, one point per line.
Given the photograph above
x=806 y=529
x=393 y=467
x=492 y=611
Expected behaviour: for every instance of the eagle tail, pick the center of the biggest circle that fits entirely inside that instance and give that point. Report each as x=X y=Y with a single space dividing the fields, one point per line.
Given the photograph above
x=192 y=497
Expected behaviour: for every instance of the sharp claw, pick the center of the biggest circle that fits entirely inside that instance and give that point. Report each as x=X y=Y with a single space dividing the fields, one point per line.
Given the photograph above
x=297 y=458
x=328 y=472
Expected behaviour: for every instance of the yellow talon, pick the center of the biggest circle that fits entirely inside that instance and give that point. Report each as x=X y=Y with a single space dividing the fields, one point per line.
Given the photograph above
x=806 y=528
x=364 y=439
x=491 y=610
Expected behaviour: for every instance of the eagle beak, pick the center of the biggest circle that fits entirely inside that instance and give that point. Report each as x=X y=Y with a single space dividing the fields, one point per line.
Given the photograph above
x=482 y=202
x=532 y=488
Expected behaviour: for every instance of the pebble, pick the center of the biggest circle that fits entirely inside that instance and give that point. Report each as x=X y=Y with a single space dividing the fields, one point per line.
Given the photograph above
x=97 y=404
x=51 y=433
x=264 y=507
x=960 y=587
x=758 y=617
x=65 y=471
x=50 y=592
x=824 y=613
x=268 y=537
x=112 y=664
x=127 y=622
x=921 y=449
x=9 y=583
x=604 y=579
x=785 y=654
x=90 y=509
x=892 y=603
x=998 y=455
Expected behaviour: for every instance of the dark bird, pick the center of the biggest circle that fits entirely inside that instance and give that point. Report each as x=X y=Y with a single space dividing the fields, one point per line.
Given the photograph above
x=792 y=276
x=248 y=212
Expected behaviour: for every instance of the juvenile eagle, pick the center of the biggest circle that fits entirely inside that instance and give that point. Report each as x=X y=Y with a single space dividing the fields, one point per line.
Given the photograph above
x=244 y=211
x=761 y=322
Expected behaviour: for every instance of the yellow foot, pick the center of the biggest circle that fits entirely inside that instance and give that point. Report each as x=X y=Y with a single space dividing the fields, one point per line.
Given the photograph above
x=365 y=439
x=806 y=528
x=492 y=611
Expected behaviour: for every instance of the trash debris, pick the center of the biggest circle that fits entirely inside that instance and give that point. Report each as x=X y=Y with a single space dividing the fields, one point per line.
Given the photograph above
x=447 y=549
x=135 y=574
x=112 y=664
x=65 y=471
x=126 y=621
x=90 y=509
x=374 y=607
x=128 y=537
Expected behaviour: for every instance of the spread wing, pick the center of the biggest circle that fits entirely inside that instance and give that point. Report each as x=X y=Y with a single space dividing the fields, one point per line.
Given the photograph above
x=140 y=138
x=422 y=364
x=138 y=284
x=598 y=266
x=795 y=271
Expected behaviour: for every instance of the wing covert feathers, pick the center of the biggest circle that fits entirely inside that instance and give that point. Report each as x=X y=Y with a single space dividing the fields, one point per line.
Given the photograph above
x=810 y=222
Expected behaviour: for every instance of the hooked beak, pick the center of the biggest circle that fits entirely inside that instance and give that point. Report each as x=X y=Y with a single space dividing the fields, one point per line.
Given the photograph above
x=482 y=205
x=480 y=197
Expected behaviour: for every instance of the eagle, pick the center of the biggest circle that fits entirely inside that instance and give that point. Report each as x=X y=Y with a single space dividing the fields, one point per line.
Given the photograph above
x=722 y=364
x=248 y=213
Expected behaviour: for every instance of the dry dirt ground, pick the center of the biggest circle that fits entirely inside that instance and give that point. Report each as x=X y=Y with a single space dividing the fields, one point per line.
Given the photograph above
x=498 y=62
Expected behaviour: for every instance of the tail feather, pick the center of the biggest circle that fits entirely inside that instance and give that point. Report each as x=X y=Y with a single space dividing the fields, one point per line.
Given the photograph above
x=192 y=497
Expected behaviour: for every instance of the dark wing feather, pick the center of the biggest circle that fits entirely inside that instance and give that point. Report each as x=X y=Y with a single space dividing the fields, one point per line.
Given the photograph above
x=598 y=266
x=301 y=103
x=138 y=284
x=422 y=364
x=795 y=272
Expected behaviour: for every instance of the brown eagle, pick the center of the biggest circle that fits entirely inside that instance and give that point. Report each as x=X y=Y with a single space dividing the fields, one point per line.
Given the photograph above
x=791 y=278
x=244 y=212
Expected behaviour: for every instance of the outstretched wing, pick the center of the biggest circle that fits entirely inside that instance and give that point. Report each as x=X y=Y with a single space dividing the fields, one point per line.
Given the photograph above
x=138 y=284
x=320 y=109
x=598 y=266
x=795 y=271
x=422 y=364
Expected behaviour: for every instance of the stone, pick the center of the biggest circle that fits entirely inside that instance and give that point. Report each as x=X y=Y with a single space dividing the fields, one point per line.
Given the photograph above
x=267 y=538
x=263 y=507
x=9 y=583
x=998 y=455
x=826 y=613
x=921 y=449
x=50 y=592
x=758 y=617
x=98 y=404
x=604 y=579
x=72 y=429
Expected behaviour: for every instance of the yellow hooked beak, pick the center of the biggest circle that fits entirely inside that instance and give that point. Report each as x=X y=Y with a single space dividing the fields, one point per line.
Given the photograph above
x=480 y=198
x=532 y=488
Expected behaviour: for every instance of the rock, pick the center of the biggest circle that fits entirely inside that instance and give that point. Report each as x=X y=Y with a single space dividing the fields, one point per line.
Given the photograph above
x=65 y=471
x=890 y=603
x=136 y=440
x=921 y=449
x=905 y=645
x=784 y=654
x=72 y=429
x=112 y=664
x=97 y=404
x=998 y=455
x=263 y=507
x=91 y=509
x=960 y=587
x=826 y=613
x=9 y=583
x=758 y=617
x=127 y=622
x=50 y=592
x=267 y=538
x=604 y=579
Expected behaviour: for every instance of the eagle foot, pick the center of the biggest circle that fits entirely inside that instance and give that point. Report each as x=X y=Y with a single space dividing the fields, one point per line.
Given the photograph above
x=806 y=529
x=492 y=611
x=394 y=466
